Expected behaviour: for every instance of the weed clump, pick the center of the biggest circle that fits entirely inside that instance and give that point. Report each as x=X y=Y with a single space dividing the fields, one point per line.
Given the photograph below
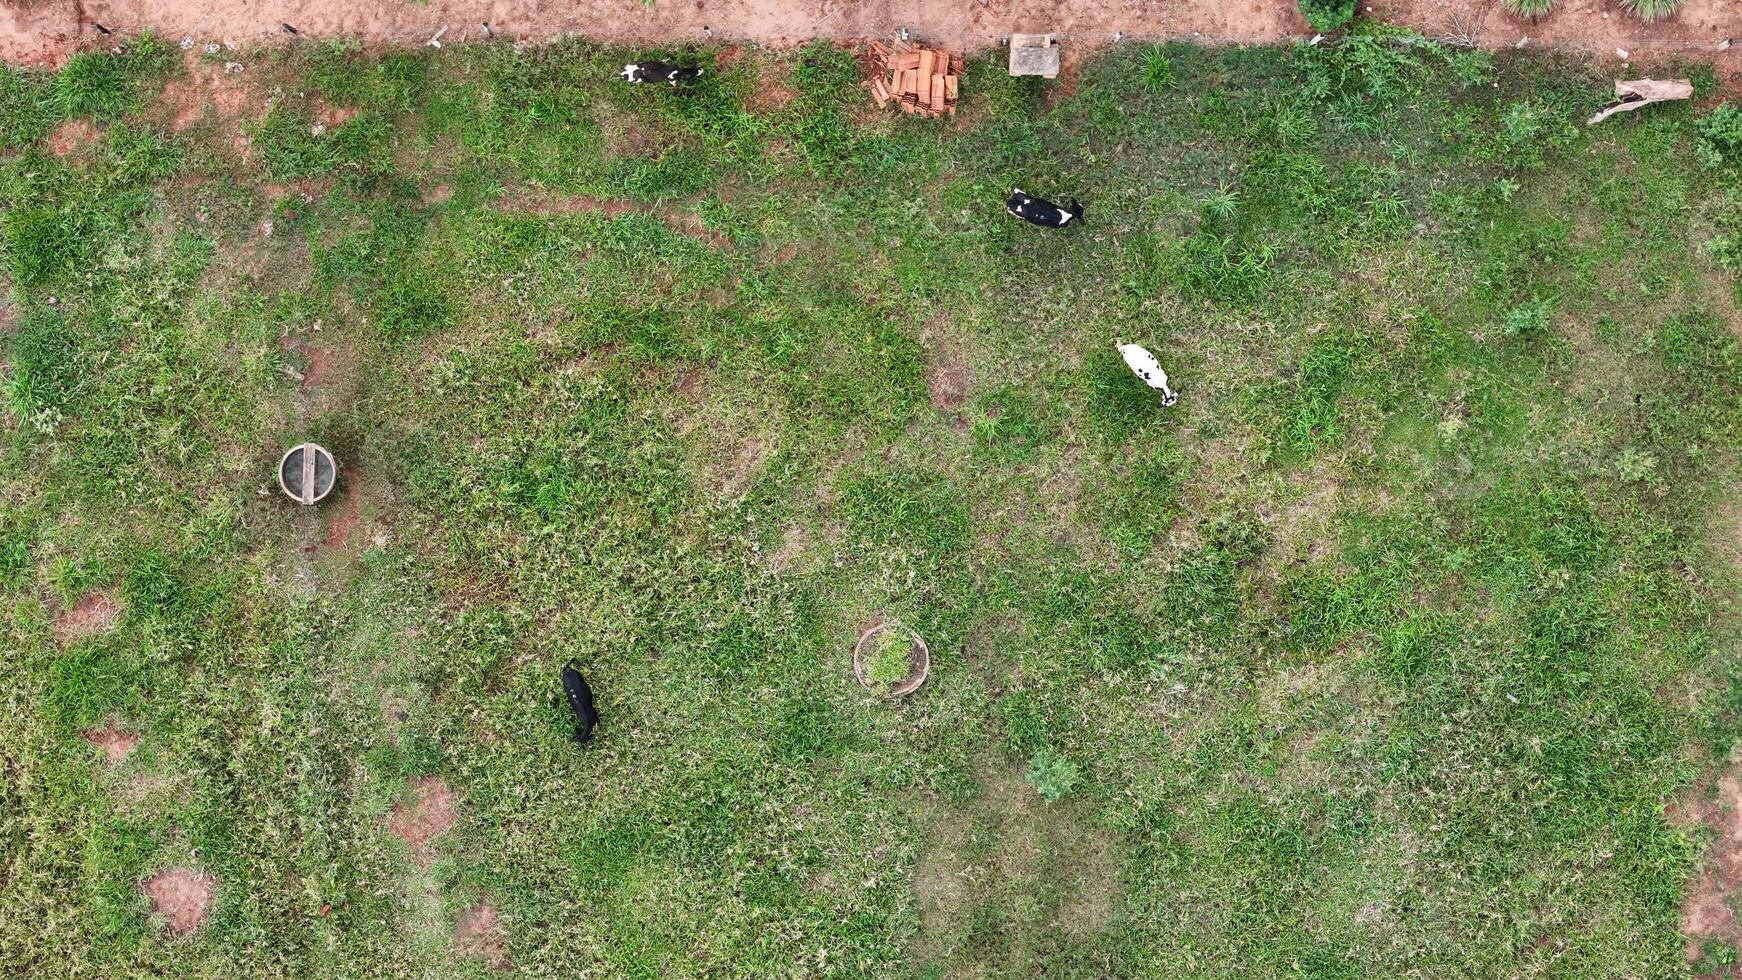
x=1052 y=775
x=1327 y=15
x=1720 y=140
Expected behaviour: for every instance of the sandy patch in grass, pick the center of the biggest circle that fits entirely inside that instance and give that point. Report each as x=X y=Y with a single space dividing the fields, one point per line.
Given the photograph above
x=116 y=742
x=181 y=897
x=1707 y=914
x=1037 y=862
x=430 y=813
x=94 y=613
x=71 y=136
x=478 y=933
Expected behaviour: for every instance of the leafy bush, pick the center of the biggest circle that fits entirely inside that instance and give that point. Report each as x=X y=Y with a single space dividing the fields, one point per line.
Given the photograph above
x=1528 y=318
x=1651 y=9
x=1528 y=8
x=1720 y=139
x=1327 y=15
x=1052 y=775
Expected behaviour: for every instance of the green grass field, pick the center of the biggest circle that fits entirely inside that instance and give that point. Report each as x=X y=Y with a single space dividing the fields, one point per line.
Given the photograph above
x=1379 y=655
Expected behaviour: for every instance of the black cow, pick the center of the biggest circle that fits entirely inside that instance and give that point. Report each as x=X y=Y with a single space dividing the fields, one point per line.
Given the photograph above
x=581 y=703
x=644 y=72
x=1037 y=211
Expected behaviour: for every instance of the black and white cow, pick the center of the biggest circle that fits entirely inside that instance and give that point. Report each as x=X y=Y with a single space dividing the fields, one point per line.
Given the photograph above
x=645 y=72
x=1038 y=211
x=1143 y=364
x=581 y=703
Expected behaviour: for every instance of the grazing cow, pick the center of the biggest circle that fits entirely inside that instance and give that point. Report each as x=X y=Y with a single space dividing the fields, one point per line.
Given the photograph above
x=643 y=72
x=1044 y=213
x=581 y=703
x=1144 y=365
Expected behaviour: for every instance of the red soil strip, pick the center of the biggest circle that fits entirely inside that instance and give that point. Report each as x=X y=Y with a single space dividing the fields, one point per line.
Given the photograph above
x=182 y=896
x=1707 y=918
x=93 y=613
x=430 y=814
x=116 y=742
x=46 y=32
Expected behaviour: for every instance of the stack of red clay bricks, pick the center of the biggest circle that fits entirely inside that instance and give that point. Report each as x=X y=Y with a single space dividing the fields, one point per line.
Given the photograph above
x=920 y=79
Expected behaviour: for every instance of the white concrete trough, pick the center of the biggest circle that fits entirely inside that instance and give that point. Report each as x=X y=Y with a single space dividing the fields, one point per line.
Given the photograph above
x=1034 y=54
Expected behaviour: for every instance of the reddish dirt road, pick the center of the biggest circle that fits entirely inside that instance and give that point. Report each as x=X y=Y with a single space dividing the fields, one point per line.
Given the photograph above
x=45 y=32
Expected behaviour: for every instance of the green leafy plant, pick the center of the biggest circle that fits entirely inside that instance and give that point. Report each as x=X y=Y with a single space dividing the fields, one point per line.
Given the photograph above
x=1649 y=10
x=1327 y=15
x=1052 y=775
x=1528 y=318
x=889 y=659
x=1720 y=136
x=1635 y=465
x=1528 y=8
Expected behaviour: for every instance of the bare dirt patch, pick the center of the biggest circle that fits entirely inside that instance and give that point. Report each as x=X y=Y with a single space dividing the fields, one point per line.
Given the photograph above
x=946 y=381
x=770 y=96
x=117 y=743
x=48 y=32
x=1012 y=851
x=93 y=613
x=181 y=896
x=527 y=199
x=72 y=136
x=207 y=95
x=478 y=933
x=430 y=814
x=1707 y=917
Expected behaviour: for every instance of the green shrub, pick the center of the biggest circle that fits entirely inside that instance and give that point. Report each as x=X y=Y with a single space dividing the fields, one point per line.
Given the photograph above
x=1052 y=775
x=1327 y=15
x=1649 y=10
x=1528 y=8
x=1528 y=318
x=1720 y=136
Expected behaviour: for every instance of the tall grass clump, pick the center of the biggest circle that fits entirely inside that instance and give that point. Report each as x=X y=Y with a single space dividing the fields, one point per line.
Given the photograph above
x=1649 y=10
x=1528 y=8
